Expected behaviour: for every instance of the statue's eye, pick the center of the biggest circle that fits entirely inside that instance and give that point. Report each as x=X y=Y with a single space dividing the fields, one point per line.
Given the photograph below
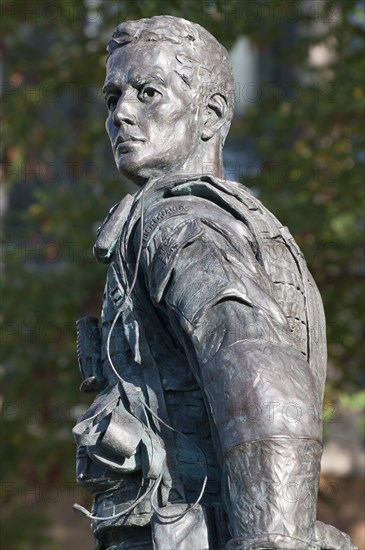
x=148 y=92
x=112 y=101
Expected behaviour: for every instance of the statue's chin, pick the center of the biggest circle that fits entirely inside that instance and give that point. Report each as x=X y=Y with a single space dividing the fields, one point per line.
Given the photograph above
x=139 y=174
x=134 y=172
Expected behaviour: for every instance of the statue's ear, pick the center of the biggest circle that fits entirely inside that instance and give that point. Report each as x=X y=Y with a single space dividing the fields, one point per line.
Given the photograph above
x=214 y=116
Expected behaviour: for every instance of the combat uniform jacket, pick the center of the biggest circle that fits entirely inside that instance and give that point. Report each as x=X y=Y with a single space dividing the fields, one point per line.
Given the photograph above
x=221 y=293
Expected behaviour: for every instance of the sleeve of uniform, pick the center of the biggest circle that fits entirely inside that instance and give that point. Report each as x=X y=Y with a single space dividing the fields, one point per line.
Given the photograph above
x=202 y=269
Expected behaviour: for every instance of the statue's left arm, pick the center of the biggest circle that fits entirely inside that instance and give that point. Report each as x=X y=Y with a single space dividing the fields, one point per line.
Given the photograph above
x=259 y=390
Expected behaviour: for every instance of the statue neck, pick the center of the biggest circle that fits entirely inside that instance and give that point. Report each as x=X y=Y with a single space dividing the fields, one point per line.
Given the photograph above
x=207 y=160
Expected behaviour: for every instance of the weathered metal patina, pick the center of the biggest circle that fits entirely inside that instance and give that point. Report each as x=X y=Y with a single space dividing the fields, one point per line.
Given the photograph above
x=209 y=363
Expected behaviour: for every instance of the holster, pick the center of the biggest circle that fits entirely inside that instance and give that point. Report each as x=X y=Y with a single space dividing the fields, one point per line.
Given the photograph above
x=89 y=355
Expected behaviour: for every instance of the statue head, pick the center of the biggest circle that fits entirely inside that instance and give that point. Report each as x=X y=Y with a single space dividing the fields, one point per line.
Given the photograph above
x=170 y=94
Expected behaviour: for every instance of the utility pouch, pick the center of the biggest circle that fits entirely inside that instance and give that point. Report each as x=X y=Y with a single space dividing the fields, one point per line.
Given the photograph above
x=110 y=434
x=191 y=529
x=89 y=354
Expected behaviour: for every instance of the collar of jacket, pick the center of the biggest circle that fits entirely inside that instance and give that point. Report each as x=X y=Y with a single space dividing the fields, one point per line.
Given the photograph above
x=110 y=230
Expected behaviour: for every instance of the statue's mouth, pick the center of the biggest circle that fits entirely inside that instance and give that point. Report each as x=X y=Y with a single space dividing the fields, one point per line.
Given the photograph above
x=127 y=140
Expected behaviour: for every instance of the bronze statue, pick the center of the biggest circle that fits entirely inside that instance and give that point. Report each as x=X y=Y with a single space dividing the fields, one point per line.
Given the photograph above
x=210 y=363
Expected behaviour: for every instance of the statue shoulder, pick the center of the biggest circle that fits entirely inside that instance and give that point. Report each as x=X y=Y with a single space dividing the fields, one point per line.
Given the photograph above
x=180 y=218
x=184 y=229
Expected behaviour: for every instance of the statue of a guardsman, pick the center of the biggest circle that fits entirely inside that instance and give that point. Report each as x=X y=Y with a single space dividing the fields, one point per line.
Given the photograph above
x=210 y=359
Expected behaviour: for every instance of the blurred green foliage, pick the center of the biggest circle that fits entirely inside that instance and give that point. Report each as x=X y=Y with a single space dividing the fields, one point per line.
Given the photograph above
x=61 y=182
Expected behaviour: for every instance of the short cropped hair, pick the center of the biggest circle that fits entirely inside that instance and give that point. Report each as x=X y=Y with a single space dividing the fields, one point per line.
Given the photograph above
x=202 y=60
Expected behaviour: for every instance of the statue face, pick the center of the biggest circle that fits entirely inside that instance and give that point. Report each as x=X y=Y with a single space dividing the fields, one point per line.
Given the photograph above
x=154 y=120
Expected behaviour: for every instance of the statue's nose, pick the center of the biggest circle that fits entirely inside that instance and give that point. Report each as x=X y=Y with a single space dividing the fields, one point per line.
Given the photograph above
x=123 y=112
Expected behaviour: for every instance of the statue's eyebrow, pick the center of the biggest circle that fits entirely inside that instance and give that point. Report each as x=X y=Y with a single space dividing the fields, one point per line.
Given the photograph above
x=140 y=80
x=110 y=87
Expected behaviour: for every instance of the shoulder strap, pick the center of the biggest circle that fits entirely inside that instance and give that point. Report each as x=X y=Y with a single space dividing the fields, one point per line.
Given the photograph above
x=111 y=228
